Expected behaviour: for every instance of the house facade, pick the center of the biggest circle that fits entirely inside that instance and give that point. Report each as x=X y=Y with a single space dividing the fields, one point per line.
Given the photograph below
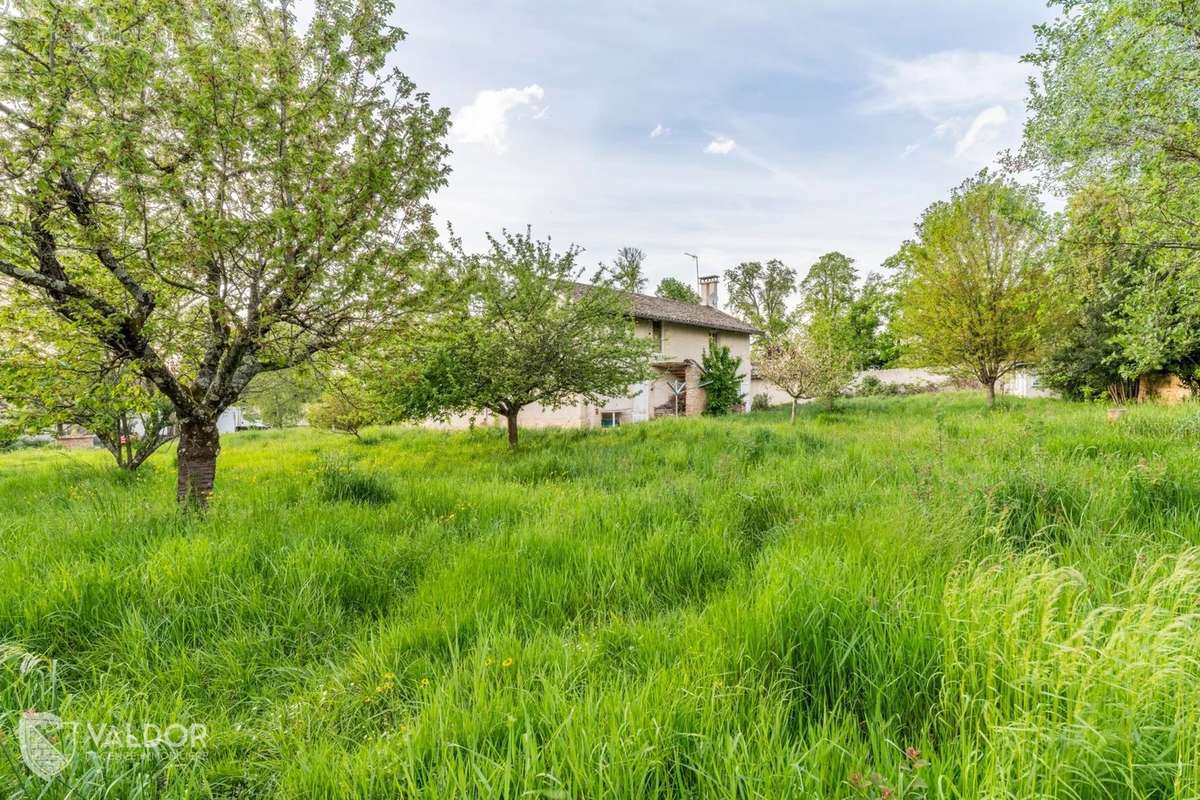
x=680 y=334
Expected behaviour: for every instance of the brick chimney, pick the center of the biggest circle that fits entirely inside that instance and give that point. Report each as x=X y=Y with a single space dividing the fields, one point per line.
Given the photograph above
x=708 y=290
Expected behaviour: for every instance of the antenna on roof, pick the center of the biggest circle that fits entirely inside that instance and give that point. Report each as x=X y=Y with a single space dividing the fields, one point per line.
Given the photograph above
x=695 y=258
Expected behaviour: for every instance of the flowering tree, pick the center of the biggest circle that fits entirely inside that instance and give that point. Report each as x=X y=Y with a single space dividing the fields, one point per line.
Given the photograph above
x=207 y=192
x=791 y=364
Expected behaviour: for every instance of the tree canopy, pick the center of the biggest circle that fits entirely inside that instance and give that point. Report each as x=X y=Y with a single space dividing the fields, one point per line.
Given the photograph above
x=1115 y=104
x=209 y=192
x=51 y=377
x=869 y=321
x=675 y=289
x=759 y=293
x=974 y=285
x=515 y=328
x=792 y=364
x=627 y=269
x=829 y=287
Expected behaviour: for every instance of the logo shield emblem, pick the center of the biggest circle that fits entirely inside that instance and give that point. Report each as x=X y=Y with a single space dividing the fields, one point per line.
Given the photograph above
x=36 y=733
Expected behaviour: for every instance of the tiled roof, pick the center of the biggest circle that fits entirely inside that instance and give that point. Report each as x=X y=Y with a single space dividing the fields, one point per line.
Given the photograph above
x=660 y=308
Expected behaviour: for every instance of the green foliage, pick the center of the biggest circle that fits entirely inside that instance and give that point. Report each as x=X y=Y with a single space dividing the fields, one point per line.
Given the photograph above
x=871 y=386
x=1093 y=278
x=515 y=328
x=974 y=292
x=627 y=269
x=706 y=602
x=346 y=406
x=872 y=342
x=721 y=381
x=759 y=293
x=280 y=397
x=823 y=351
x=675 y=289
x=829 y=287
x=50 y=376
x=1114 y=104
x=208 y=190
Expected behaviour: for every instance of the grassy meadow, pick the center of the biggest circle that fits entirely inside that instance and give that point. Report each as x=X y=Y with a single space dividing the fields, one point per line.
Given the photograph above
x=904 y=598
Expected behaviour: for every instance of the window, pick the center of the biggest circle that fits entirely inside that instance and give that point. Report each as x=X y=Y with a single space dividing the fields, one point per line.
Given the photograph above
x=656 y=335
x=610 y=419
x=714 y=341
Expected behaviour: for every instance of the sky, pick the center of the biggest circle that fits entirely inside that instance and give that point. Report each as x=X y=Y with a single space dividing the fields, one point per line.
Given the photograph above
x=738 y=131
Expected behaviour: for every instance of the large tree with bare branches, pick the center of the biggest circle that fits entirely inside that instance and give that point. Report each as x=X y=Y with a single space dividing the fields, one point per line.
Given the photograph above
x=208 y=190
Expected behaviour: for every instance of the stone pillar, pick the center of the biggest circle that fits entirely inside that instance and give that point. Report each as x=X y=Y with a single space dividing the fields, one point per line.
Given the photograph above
x=695 y=395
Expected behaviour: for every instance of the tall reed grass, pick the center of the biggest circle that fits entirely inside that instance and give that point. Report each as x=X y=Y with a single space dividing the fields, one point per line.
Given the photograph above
x=907 y=598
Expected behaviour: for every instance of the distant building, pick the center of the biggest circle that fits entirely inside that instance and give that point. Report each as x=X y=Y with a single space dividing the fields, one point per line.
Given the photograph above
x=231 y=419
x=681 y=333
x=1164 y=387
x=74 y=437
x=1023 y=382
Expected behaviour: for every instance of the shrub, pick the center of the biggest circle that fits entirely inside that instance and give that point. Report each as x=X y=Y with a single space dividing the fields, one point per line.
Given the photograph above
x=761 y=402
x=722 y=382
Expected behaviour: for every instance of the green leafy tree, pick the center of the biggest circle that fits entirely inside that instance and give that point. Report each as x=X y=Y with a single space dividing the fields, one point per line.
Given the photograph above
x=675 y=289
x=829 y=287
x=51 y=377
x=721 y=381
x=627 y=269
x=975 y=281
x=872 y=342
x=1115 y=100
x=759 y=294
x=347 y=405
x=1092 y=280
x=826 y=305
x=279 y=397
x=826 y=336
x=210 y=193
x=516 y=328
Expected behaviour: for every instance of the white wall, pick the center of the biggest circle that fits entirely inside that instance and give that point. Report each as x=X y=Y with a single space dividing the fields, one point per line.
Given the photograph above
x=1023 y=383
x=230 y=419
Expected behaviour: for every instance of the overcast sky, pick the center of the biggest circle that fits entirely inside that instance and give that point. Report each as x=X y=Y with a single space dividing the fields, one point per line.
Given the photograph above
x=734 y=130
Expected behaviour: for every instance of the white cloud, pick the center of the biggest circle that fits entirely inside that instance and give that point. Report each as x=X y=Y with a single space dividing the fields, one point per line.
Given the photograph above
x=908 y=151
x=993 y=117
x=485 y=121
x=947 y=82
x=721 y=146
x=946 y=127
x=659 y=130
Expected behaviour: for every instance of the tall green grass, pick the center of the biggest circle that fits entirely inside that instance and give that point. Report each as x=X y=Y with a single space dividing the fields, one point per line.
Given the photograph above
x=687 y=608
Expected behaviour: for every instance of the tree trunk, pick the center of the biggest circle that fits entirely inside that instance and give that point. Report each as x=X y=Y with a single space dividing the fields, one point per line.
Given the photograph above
x=511 y=416
x=199 y=444
x=793 y=417
x=991 y=392
x=127 y=441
